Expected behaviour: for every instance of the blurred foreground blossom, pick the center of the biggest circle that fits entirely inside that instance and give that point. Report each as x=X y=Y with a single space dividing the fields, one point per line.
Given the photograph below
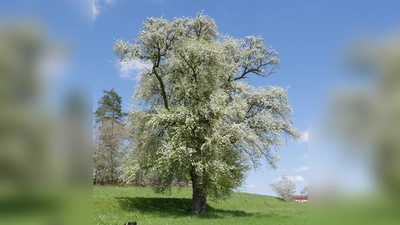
x=45 y=155
x=363 y=120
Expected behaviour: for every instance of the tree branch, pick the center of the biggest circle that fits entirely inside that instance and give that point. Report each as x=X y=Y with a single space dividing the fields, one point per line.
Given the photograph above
x=162 y=87
x=190 y=66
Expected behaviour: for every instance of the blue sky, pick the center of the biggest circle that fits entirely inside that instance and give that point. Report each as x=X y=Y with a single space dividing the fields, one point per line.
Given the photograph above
x=312 y=38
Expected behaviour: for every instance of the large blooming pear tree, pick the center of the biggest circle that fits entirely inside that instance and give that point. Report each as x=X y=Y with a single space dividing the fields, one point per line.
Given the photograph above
x=196 y=115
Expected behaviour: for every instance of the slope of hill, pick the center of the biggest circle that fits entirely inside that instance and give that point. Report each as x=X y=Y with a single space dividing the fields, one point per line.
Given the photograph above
x=117 y=205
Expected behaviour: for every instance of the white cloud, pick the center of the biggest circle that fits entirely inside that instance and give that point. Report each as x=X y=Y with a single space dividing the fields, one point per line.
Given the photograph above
x=293 y=179
x=301 y=169
x=100 y=5
x=129 y=69
x=297 y=179
x=304 y=137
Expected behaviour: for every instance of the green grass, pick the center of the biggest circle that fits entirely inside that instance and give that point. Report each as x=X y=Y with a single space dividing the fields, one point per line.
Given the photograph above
x=117 y=205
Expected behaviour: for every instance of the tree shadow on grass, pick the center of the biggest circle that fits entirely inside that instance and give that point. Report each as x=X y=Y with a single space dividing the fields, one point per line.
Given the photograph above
x=177 y=207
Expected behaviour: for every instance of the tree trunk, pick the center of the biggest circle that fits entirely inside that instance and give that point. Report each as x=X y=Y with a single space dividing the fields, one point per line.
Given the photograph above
x=199 y=197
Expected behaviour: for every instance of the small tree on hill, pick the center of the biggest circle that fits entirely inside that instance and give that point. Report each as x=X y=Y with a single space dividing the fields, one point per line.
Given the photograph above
x=284 y=187
x=304 y=192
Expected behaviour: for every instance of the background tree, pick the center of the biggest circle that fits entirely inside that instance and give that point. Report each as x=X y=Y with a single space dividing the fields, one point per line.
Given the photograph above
x=195 y=114
x=304 y=192
x=284 y=187
x=109 y=137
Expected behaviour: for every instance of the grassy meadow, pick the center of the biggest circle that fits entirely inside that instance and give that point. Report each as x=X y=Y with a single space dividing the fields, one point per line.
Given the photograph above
x=117 y=205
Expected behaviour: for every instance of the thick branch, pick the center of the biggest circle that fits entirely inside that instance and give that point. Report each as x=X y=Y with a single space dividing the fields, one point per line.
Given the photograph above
x=162 y=88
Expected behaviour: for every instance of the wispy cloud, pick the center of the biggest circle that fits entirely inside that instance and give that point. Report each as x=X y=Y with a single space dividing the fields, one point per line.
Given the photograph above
x=95 y=10
x=99 y=5
x=304 y=137
x=129 y=69
x=281 y=170
x=304 y=157
x=301 y=169
x=296 y=179
x=251 y=186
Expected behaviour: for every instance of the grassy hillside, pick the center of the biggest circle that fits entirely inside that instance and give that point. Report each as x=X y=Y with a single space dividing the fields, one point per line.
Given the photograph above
x=116 y=205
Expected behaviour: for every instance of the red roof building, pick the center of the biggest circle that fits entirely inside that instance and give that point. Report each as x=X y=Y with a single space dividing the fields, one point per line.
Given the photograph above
x=299 y=198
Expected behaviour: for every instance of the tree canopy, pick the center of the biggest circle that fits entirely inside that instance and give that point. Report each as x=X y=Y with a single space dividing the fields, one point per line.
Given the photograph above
x=195 y=112
x=109 y=106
